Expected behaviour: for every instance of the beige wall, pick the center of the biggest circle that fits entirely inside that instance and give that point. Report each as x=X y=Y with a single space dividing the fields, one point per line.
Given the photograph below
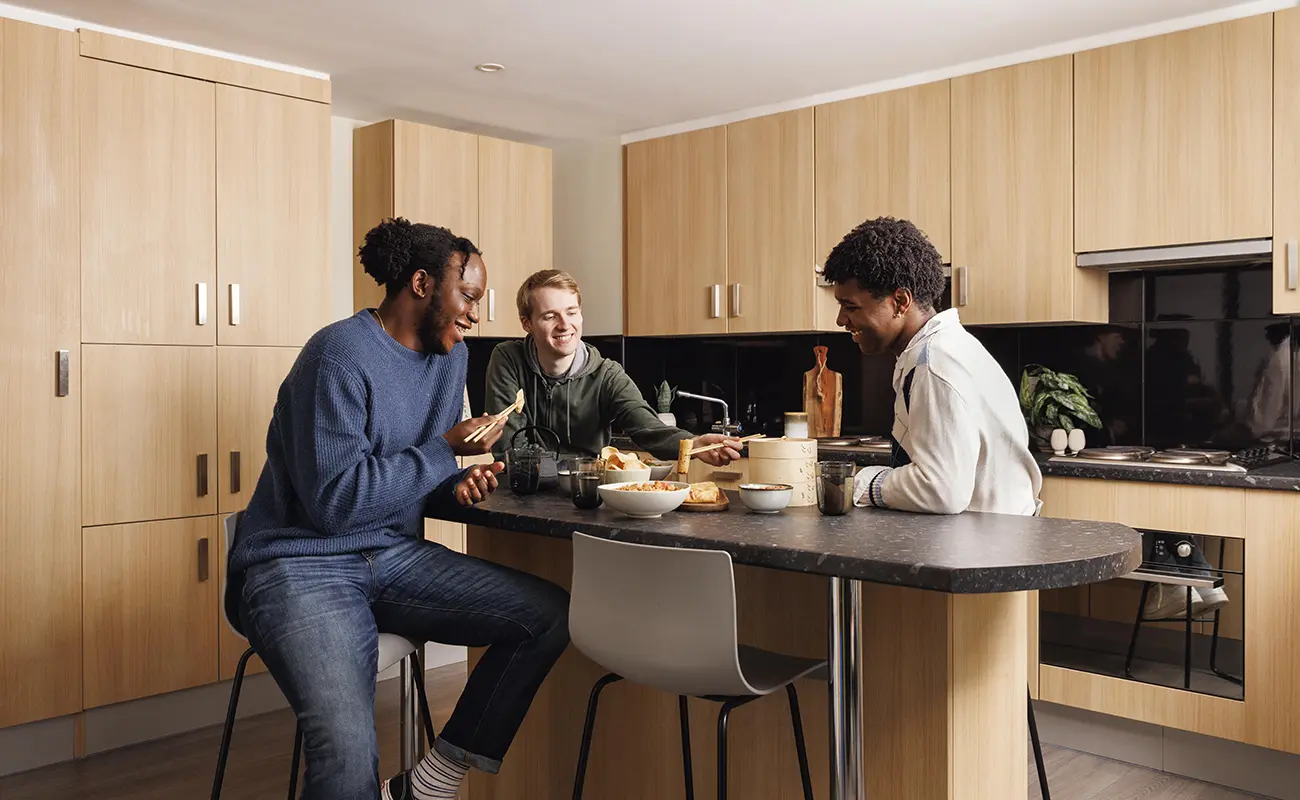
x=341 y=213
x=588 y=179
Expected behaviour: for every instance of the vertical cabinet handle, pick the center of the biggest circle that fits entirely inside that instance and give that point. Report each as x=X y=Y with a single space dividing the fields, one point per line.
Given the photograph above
x=735 y=299
x=234 y=472
x=1292 y=267
x=961 y=291
x=203 y=560
x=203 y=474
x=492 y=305
x=201 y=303
x=61 y=373
x=715 y=301
x=234 y=304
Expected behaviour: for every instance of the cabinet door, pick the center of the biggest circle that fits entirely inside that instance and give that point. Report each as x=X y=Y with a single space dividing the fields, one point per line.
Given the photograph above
x=40 y=531
x=676 y=225
x=273 y=188
x=1013 y=259
x=149 y=433
x=882 y=155
x=515 y=225
x=770 y=280
x=1286 y=164
x=248 y=382
x=150 y=608
x=1174 y=138
x=148 y=206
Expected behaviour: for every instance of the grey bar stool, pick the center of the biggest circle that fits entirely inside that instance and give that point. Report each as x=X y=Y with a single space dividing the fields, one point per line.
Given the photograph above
x=393 y=649
x=665 y=618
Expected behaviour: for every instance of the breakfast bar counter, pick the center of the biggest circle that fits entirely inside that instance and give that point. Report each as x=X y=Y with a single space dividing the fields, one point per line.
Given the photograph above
x=924 y=619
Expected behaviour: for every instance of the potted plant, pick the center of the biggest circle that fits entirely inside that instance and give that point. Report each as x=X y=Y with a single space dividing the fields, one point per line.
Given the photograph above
x=664 y=403
x=1054 y=401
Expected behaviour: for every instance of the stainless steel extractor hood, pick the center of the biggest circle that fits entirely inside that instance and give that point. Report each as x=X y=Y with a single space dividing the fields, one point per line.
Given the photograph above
x=1213 y=255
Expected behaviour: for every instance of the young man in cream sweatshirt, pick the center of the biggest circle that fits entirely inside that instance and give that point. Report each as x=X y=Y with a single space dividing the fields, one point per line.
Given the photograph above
x=960 y=442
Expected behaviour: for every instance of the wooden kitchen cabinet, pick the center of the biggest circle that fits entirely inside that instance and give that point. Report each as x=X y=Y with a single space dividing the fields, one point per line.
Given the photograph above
x=149 y=433
x=1173 y=137
x=40 y=527
x=422 y=173
x=885 y=154
x=515 y=226
x=150 y=605
x=770 y=280
x=1012 y=216
x=148 y=206
x=273 y=196
x=676 y=234
x=248 y=383
x=1286 y=162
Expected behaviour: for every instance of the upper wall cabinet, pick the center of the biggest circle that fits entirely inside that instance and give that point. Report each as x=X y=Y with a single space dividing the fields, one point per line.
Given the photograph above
x=770 y=223
x=273 y=194
x=515 y=226
x=676 y=229
x=1013 y=262
x=1286 y=164
x=1173 y=139
x=882 y=155
x=148 y=206
x=422 y=173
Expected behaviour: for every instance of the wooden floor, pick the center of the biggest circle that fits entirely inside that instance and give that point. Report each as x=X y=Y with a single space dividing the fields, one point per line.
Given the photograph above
x=181 y=767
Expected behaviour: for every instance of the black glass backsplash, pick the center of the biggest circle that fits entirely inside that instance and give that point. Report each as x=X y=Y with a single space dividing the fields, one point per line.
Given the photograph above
x=1190 y=359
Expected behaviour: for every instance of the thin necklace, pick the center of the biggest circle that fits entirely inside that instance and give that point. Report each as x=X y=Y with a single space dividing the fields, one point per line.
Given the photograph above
x=375 y=313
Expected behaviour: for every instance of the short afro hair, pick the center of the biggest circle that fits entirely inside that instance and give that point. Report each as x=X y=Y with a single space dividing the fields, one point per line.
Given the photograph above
x=397 y=248
x=887 y=254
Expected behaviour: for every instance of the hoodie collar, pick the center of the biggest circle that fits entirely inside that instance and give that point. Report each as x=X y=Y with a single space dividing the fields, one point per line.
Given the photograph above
x=584 y=361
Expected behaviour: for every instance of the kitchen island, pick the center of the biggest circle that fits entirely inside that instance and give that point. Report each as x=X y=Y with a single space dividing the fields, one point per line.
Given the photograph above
x=925 y=619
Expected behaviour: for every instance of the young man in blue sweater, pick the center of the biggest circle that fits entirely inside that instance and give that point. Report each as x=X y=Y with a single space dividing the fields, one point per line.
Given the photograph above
x=365 y=432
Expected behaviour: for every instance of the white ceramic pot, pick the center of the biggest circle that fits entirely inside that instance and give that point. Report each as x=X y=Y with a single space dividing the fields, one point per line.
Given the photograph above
x=1060 y=441
x=1076 y=440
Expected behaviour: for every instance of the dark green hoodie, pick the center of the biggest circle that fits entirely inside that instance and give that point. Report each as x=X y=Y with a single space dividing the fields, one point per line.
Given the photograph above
x=579 y=408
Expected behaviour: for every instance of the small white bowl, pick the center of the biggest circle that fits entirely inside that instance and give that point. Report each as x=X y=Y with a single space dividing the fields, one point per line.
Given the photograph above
x=626 y=475
x=766 y=498
x=643 y=505
x=661 y=469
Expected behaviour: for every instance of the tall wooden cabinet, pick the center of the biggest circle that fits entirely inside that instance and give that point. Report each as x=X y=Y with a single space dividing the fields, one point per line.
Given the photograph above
x=1286 y=162
x=40 y=300
x=1012 y=215
x=516 y=225
x=1173 y=140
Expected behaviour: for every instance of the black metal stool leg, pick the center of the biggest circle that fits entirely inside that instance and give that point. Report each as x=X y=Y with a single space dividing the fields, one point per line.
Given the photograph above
x=684 y=711
x=420 y=691
x=1038 y=751
x=1137 y=626
x=297 y=757
x=799 y=745
x=585 y=749
x=228 y=731
x=727 y=707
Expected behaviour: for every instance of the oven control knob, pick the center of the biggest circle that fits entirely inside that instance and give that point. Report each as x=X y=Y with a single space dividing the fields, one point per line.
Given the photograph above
x=1184 y=549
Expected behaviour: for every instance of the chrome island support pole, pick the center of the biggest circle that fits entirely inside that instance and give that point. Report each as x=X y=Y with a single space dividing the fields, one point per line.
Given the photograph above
x=847 y=781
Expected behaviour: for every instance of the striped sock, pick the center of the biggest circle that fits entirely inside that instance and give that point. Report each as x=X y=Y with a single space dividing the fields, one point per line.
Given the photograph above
x=436 y=777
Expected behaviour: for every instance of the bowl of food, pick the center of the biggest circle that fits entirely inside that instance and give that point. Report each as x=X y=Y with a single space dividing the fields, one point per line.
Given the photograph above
x=659 y=470
x=624 y=467
x=766 y=498
x=644 y=499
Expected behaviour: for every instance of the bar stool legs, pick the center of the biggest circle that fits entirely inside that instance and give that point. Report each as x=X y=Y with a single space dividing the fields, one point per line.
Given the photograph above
x=293 y=768
x=1038 y=751
x=684 y=712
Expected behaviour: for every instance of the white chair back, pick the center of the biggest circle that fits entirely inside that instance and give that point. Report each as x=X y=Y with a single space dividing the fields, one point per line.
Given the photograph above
x=663 y=617
x=230 y=525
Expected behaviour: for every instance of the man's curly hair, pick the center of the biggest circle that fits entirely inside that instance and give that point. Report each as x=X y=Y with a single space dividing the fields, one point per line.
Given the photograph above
x=886 y=254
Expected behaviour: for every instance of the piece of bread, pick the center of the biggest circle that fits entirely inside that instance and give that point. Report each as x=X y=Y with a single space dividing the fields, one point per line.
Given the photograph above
x=706 y=492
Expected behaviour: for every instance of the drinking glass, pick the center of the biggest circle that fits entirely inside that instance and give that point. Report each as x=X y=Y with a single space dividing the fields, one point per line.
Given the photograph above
x=835 y=487
x=585 y=477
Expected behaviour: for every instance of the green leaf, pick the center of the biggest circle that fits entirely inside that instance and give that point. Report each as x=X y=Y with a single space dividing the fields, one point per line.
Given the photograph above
x=1073 y=383
x=1079 y=409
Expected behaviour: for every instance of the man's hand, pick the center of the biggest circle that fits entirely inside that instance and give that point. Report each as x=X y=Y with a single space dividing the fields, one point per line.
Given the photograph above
x=457 y=435
x=480 y=482
x=723 y=455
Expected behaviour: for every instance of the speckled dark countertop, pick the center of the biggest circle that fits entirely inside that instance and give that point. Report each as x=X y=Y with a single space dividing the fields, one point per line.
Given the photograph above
x=963 y=554
x=1279 y=477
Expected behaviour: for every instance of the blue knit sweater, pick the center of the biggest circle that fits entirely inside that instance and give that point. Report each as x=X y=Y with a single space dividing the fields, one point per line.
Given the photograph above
x=354 y=448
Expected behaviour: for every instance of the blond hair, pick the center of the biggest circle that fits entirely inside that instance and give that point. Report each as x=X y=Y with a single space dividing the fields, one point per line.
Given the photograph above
x=546 y=279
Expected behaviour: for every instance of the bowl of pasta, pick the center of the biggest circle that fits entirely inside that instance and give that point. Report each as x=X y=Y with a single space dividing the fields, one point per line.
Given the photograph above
x=644 y=499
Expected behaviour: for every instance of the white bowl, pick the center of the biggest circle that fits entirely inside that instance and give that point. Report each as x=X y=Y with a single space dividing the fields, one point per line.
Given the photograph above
x=766 y=498
x=643 y=505
x=660 y=470
x=626 y=475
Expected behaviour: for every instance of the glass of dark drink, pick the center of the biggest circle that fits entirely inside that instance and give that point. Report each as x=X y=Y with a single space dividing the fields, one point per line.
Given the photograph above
x=585 y=477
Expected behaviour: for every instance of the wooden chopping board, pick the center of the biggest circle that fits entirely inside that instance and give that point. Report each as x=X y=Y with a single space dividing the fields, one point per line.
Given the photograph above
x=823 y=397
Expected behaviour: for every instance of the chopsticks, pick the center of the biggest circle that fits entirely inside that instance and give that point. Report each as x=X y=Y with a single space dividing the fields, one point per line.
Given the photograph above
x=483 y=430
x=721 y=445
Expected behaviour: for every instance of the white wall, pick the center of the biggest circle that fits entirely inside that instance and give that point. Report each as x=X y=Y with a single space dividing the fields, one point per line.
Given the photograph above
x=588 y=197
x=341 y=213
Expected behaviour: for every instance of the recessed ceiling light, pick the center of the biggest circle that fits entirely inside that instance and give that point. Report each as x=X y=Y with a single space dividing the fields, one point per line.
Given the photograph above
x=489 y=67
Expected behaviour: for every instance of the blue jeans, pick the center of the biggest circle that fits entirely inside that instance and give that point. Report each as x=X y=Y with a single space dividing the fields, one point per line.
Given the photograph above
x=315 y=622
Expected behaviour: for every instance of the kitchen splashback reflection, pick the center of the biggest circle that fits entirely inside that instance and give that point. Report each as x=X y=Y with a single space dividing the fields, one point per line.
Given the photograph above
x=1190 y=359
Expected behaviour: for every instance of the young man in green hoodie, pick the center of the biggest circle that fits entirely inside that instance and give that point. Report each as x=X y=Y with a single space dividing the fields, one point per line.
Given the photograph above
x=570 y=388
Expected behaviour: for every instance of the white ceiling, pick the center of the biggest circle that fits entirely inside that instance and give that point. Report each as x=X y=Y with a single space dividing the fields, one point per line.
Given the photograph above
x=598 y=68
